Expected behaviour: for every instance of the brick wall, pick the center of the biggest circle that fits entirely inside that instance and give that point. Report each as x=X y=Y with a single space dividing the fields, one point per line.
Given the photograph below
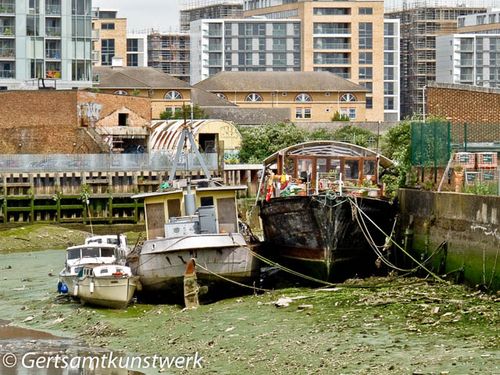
x=46 y=122
x=464 y=104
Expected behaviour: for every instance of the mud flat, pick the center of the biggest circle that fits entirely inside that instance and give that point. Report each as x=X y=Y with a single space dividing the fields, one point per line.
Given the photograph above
x=374 y=326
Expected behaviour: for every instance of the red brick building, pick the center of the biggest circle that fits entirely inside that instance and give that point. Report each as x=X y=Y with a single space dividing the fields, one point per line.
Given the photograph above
x=67 y=122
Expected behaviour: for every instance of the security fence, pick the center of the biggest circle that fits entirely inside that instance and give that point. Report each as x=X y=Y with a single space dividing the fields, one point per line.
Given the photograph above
x=157 y=161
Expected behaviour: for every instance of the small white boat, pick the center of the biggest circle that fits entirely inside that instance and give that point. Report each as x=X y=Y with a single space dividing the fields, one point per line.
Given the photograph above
x=79 y=256
x=107 y=285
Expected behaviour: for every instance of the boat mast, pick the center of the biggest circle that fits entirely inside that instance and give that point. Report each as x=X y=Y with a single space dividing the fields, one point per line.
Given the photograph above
x=186 y=135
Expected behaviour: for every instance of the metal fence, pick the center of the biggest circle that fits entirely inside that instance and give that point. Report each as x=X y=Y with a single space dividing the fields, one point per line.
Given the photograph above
x=157 y=161
x=430 y=143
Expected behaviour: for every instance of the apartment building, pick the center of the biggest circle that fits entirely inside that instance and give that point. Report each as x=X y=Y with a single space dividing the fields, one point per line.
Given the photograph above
x=341 y=37
x=420 y=26
x=45 y=43
x=170 y=52
x=112 y=36
x=193 y=10
x=392 y=56
x=244 y=45
x=472 y=56
x=137 y=50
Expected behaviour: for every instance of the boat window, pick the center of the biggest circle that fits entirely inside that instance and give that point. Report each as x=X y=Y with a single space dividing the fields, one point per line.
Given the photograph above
x=105 y=252
x=305 y=169
x=321 y=164
x=74 y=253
x=334 y=168
x=155 y=216
x=289 y=167
x=104 y=270
x=207 y=201
x=369 y=167
x=97 y=240
x=351 y=169
x=88 y=252
x=174 y=208
x=226 y=212
x=113 y=241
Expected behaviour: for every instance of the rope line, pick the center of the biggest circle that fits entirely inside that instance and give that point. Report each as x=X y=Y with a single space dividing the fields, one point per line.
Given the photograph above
x=396 y=244
x=233 y=281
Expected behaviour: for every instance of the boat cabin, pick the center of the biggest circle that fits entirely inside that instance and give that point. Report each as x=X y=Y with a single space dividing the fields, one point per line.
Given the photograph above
x=320 y=165
x=109 y=270
x=104 y=253
x=213 y=210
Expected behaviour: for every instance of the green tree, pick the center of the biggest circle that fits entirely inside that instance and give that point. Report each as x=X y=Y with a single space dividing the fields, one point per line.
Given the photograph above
x=178 y=113
x=354 y=134
x=262 y=141
x=337 y=116
x=396 y=146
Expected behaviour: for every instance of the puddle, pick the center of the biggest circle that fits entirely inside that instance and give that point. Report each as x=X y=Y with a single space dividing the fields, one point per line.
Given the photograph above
x=29 y=347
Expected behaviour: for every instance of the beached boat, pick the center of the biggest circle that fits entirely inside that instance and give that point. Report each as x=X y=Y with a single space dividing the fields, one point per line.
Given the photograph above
x=107 y=285
x=192 y=220
x=322 y=209
x=79 y=256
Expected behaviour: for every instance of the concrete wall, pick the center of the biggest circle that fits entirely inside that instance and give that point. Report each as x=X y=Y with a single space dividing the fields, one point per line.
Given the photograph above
x=470 y=224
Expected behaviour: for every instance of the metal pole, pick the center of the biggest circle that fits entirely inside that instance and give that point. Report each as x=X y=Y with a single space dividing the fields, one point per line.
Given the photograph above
x=423 y=102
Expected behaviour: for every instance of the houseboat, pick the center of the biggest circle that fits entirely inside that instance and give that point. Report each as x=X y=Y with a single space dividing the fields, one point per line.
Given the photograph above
x=323 y=201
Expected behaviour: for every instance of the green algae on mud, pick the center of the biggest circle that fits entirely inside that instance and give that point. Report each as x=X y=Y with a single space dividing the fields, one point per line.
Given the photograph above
x=402 y=326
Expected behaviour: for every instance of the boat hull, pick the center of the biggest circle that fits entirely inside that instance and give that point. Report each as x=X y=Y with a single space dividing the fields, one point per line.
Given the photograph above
x=320 y=236
x=107 y=291
x=161 y=264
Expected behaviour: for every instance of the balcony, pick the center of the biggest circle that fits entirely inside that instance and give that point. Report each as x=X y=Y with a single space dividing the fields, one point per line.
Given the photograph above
x=7 y=7
x=54 y=54
x=7 y=74
x=53 y=9
x=7 y=53
x=7 y=31
x=53 y=32
x=333 y=61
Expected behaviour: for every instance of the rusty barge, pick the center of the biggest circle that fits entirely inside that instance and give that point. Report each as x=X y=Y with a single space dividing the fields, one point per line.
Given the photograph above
x=323 y=204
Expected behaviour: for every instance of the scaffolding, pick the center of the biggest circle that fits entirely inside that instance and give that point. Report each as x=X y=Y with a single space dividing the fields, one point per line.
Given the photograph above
x=208 y=9
x=421 y=23
x=170 y=52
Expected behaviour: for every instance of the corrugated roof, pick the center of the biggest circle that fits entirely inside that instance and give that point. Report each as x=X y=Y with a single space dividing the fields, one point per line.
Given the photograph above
x=131 y=77
x=281 y=81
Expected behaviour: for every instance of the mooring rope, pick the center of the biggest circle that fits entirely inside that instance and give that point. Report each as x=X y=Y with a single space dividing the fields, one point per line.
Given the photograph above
x=396 y=244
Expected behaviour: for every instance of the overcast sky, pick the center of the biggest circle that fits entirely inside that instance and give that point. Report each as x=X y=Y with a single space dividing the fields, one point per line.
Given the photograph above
x=145 y=14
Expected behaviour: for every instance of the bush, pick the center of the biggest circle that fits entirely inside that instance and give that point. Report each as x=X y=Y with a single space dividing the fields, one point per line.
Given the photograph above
x=337 y=116
x=179 y=113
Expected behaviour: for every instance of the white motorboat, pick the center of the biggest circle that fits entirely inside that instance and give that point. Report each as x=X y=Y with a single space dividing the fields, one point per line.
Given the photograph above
x=79 y=256
x=107 y=285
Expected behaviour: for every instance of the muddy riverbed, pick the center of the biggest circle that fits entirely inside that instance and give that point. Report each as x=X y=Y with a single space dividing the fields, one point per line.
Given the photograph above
x=375 y=326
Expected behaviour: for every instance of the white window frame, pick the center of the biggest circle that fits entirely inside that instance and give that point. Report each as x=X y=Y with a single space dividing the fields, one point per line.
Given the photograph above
x=173 y=95
x=254 y=97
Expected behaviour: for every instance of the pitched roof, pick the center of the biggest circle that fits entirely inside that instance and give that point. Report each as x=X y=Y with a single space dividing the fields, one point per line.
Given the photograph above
x=207 y=99
x=131 y=77
x=278 y=81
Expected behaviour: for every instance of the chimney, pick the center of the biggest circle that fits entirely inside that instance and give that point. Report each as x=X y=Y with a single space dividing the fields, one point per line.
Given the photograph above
x=116 y=62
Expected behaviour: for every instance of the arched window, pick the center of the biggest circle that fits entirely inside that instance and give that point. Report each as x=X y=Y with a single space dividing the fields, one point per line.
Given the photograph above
x=120 y=92
x=173 y=95
x=221 y=95
x=348 y=98
x=303 y=98
x=253 y=97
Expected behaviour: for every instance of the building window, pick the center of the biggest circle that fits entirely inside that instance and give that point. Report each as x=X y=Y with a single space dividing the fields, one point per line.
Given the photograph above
x=120 y=92
x=389 y=104
x=122 y=119
x=221 y=95
x=108 y=26
x=365 y=10
x=253 y=97
x=303 y=98
x=173 y=95
x=332 y=11
x=366 y=73
x=302 y=112
x=132 y=59
x=107 y=51
x=365 y=35
x=350 y=112
x=365 y=58
x=348 y=98
x=132 y=45
x=369 y=102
